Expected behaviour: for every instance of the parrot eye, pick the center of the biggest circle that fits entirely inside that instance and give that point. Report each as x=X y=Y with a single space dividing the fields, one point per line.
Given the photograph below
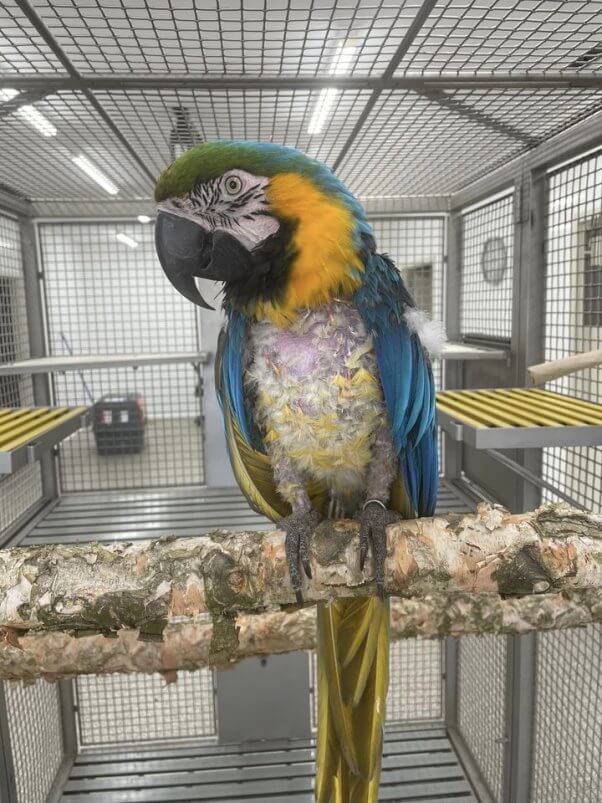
x=233 y=185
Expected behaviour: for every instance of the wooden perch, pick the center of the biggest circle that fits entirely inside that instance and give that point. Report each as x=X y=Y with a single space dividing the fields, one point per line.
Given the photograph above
x=182 y=603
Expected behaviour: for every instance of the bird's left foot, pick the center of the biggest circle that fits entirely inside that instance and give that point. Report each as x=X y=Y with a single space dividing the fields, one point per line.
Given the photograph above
x=373 y=519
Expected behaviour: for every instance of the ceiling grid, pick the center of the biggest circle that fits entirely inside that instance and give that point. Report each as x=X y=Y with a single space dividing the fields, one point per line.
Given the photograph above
x=434 y=94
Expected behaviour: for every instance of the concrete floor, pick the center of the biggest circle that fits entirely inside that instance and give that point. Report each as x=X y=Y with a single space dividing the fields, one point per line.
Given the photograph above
x=172 y=455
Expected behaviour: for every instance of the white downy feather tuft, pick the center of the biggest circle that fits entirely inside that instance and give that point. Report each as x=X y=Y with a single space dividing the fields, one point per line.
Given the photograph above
x=431 y=333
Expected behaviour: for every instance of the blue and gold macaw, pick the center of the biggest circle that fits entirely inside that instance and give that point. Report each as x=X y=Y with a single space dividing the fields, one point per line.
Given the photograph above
x=327 y=395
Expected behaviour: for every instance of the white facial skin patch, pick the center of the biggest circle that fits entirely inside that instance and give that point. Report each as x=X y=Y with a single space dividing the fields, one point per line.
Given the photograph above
x=235 y=203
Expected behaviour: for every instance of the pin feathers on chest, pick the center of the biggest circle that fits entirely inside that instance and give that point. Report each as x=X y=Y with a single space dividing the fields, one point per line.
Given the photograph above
x=317 y=396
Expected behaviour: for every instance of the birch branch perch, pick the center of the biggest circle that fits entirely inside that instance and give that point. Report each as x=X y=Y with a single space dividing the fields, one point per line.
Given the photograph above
x=182 y=603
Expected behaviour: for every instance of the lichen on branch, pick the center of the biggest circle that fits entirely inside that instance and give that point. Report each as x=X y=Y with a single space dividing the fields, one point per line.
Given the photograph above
x=181 y=603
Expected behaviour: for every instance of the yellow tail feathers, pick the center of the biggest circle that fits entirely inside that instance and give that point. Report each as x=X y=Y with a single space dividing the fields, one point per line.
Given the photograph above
x=353 y=676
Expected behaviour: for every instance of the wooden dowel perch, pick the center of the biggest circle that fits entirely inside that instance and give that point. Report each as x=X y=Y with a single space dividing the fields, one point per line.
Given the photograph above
x=183 y=603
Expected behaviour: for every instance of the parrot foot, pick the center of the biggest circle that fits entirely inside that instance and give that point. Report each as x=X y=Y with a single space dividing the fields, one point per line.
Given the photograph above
x=299 y=528
x=373 y=520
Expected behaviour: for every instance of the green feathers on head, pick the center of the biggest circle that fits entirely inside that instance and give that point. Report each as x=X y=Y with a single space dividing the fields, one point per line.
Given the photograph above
x=209 y=160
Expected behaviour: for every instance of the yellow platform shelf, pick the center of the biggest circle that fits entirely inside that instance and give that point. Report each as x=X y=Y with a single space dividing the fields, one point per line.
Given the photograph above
x=518 y=418
x=26 y=432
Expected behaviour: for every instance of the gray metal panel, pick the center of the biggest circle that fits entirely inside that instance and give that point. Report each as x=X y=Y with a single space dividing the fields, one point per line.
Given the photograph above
x=28 y=453
x=77 y=518
x=111 y=517
x=521 y=437
x=264 y=698
x=47 y=365
x=417 y=764
x=8 y=789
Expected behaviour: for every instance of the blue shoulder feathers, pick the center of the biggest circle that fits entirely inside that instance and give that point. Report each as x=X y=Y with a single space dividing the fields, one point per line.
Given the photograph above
x=406 y=378
x=231 y=391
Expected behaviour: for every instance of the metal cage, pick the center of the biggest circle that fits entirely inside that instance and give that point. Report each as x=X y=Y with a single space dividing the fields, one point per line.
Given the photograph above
x=471 y=133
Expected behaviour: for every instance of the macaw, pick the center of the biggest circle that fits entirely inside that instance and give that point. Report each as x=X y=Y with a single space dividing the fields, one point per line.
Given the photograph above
x=325 y=384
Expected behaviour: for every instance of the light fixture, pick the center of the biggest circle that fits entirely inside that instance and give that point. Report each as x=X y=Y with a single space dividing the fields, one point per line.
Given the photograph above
x=95 y=174
x=144 y=219
x=8 y=94
x=30 y=114
x=5 y=244
x=183 y=135
x=123 y=238
x=341 y=65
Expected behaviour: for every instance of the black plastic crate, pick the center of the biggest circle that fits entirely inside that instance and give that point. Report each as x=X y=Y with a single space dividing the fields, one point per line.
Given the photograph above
x=119 y=424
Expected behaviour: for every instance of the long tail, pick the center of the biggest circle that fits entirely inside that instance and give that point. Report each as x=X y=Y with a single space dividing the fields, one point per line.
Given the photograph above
x=353 y=676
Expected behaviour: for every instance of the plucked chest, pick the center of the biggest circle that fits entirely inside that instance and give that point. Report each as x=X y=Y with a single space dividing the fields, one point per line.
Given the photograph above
x=317 y=396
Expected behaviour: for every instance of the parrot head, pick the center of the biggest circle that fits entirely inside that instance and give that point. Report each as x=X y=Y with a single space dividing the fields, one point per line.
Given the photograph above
x=275 y=227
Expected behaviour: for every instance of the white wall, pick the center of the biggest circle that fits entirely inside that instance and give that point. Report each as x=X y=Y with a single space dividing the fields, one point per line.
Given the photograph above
x=108 y=298
x=487 y=308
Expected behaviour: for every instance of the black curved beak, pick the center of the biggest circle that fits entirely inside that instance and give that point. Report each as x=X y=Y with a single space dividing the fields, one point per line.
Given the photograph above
x=185 y=250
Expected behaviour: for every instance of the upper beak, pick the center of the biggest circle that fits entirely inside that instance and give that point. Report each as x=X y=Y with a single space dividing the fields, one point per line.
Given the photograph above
x=184 y=249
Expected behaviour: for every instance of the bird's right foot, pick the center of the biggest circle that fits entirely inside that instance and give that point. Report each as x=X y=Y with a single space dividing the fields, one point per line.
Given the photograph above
x=299 y=528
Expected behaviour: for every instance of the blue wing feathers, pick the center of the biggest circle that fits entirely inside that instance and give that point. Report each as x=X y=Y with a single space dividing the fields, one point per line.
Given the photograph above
x=232 y=378
x=405 y=374
x=406 y=378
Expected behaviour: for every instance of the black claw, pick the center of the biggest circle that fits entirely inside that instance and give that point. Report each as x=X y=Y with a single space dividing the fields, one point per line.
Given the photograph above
x=363 y=549
x=373 y=523
x=299 y=527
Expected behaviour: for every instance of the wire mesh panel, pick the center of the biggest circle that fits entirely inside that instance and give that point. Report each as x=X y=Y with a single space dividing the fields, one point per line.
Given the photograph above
x=144 y=708
x=145 y=430
x=107 y=295
x=573 y=312
x=506 y=35
x=487 y=268
x=250 y=38
x=568 y=717
x=19 y=491
x=417 y=246
x=415 y=681
x=481 y=704
x=34 y=721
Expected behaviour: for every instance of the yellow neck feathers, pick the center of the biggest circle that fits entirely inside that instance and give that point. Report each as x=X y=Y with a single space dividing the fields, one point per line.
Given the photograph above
x=326 y=263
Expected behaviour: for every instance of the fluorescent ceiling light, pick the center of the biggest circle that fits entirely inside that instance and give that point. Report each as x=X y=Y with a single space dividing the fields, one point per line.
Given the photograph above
x=95 y=174
x=323 y=106
x=30 y=114
x=341 y=65
x=144 y=219
x=123 y=238
x=8 y=94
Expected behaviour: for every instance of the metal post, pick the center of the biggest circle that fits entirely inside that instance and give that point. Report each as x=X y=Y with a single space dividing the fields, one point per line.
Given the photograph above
x=37 y=341
x=528 y=327
x=453 y=368
x=8 y=789
x=520 y=710
x=67 y=713
x=451 y=682
x=528 y=310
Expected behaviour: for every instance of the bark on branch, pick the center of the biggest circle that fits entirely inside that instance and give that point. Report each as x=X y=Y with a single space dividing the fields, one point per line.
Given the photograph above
x=182 y=603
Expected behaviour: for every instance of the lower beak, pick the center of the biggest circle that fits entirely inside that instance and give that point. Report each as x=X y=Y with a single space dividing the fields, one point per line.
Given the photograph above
x=184 y=249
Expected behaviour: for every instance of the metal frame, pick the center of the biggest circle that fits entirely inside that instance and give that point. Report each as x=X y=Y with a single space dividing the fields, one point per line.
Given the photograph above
x=48 y=365
x=528 y=175
x=8 y=788
x=37 y=341
x=519 y=437
x=40 y=447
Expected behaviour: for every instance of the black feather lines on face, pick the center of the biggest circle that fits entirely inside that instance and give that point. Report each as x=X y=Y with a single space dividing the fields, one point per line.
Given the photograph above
x=267 y=279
